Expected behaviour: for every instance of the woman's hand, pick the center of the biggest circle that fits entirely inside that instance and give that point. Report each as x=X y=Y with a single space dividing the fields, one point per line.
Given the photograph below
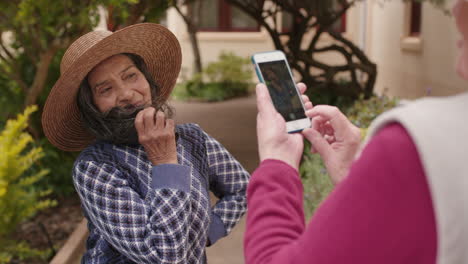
x=157 y=135
x=335 y=138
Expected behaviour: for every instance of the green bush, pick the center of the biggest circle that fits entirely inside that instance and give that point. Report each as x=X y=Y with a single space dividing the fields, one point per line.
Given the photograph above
x=317 y=183
x=58 y=161
x=363 y=112
x=229 y=69
x=20 y=198
x=12 y=101
x=226 y=78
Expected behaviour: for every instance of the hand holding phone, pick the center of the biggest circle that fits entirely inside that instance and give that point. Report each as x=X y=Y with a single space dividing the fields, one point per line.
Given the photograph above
x=273 y=70
x=273 y=141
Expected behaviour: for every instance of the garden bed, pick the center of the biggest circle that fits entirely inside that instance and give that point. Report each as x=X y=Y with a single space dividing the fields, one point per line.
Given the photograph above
x=50 y=229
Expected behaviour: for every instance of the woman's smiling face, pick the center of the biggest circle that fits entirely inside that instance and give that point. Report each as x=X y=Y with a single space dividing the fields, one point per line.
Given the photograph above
x=117 y=82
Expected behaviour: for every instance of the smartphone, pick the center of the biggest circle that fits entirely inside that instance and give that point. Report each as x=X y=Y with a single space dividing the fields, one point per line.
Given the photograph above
x=273 y=70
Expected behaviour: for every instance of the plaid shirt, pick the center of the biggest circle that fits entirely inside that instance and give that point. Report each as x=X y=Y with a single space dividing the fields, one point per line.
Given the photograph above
x=142 y=213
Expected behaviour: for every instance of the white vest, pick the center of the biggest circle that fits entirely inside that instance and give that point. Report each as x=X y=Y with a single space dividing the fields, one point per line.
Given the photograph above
x=439 y=129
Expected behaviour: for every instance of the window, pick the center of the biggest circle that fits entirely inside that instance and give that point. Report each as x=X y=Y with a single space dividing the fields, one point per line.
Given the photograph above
x=415 y=23
x=340 y=25
x=287 y=22
x=218 y=15
x=411 y=39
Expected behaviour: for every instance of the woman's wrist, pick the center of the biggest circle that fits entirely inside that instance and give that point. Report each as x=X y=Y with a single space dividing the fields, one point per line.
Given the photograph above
x=163 y=160
x=278 y=162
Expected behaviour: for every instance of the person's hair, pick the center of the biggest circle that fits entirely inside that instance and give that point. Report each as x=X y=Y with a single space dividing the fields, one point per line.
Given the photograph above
x=117 y=125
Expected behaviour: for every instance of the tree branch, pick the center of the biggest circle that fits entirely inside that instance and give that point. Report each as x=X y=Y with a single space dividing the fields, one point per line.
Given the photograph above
x=315 y=40
x=40 y=77
x=7 y=52
x=15 y=76
x=184 y=17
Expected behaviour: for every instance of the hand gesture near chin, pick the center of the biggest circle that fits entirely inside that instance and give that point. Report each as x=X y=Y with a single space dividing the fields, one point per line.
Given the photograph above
x=157 y=135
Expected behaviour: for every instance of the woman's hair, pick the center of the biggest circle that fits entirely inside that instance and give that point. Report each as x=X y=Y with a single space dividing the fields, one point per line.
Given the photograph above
x=117 y=125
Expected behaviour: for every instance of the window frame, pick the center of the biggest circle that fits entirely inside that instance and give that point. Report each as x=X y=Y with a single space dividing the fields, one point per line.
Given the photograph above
x=415 y=27
x=343 y=26
x=411 y=40
x=225 y=21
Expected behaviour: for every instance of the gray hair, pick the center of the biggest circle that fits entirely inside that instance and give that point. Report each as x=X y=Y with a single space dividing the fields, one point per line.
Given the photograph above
x=117 y=125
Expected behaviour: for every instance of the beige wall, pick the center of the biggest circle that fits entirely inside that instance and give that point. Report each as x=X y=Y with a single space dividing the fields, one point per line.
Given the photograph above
x=242 y=43
x=412 y=74
x=213 y=43
x=377 y=28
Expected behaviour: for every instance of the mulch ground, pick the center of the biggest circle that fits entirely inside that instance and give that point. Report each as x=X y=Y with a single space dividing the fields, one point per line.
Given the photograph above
x=52 y=226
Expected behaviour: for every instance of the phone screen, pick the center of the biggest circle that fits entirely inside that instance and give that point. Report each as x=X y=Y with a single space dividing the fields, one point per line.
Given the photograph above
x=282 y=90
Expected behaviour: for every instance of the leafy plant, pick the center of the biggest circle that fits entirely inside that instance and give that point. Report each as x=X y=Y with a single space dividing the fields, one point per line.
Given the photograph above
x=20 y=199
x=226 y=78
x=36 y=30
x=317 y=183
x=230 y=68
x=363 y=112
x=33 y=38
x=21 y=251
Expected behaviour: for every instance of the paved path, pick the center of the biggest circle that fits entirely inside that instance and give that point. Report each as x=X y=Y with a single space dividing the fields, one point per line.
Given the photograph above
x=233 y=124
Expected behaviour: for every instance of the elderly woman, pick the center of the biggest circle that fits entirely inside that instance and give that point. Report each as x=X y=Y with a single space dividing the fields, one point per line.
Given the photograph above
x=142 y=180
x=403 y=199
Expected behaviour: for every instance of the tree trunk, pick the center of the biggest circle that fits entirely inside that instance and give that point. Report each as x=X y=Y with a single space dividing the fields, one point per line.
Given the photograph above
x=190 y=20
x=42 y=70
x=196 y=50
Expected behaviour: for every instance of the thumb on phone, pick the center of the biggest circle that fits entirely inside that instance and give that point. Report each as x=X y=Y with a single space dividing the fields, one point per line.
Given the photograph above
x=264 y=104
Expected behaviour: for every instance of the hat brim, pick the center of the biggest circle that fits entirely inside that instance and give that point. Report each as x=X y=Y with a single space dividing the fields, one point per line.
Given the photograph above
x=158 y=47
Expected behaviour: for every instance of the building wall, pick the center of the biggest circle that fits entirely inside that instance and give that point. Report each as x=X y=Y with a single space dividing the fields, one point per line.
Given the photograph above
x=213 y=43
x=241 y=43
x=407 y=70
x=428 y=69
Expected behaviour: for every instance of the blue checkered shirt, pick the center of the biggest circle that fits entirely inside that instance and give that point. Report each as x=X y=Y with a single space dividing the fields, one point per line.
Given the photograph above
x=140 y=213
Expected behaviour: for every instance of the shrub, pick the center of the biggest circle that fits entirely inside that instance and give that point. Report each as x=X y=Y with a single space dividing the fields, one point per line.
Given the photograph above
x=226 y=78
x=12 y=101
x=20 y=198
x=229 y=69
x=61 y=163
x=317 y=183
x=363 y=112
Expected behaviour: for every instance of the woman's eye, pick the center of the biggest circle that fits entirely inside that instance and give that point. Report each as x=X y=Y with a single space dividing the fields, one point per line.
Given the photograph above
x=105 y=90
x=131 y=76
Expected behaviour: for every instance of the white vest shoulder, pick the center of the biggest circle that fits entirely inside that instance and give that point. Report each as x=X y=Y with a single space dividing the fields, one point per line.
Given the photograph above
x=439 y=129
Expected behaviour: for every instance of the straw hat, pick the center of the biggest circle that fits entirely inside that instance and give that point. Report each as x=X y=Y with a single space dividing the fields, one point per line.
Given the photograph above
x=157 y=46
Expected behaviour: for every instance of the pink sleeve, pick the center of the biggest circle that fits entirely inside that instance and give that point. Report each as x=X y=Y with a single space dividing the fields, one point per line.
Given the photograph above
x=381 y=213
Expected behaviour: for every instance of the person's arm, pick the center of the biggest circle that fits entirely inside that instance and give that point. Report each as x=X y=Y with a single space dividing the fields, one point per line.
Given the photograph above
x=228 y=182
x=151 y=229
x=381 y=213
